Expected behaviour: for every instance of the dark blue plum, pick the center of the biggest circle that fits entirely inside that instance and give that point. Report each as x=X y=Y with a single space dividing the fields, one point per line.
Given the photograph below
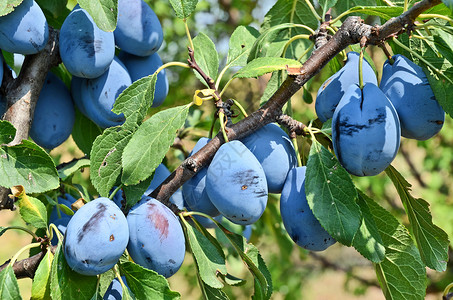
x=300 y=223
x=406 y=86
x=76 y=93
x=331 y=91
x=138 y=30
x=3 y=105
x=24 y=30
x=96 y=237
x=156 y=238
x=274 y=150
x=139 y=67
x=85 y=50
x=115 y=290
x=365 y=131
x=194 y=189
x=1 y=68
x=54 y=114
x=236 y=184
x=97 y=96
x=160 y=174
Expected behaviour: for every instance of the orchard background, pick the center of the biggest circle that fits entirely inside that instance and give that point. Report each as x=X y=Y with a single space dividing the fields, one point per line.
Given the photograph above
x=272 y=66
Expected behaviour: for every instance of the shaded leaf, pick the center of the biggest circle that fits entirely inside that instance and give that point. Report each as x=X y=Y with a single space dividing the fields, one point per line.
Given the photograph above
x=135 y=192
x=103 y=12
x=40 y=288
x=7 y=132
x=84 y=132
x=73 y=167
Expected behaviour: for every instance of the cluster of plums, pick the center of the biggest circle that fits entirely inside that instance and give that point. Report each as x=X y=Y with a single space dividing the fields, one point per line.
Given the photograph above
x=88 y=53
x=367 y=123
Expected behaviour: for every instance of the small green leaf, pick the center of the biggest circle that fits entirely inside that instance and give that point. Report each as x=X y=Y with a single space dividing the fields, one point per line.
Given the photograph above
x=209 y=259
x=263 y=65
x=212 y=293
x=103 y=12
x=146 y=284
x=183 y=8
x=8 y=6
x=331 y=195
x=105 y=279
x=84 y=132
x=31 y=209
x=136 y=99
x=7 y=132
x=135 y=192
x=326 y=4
x=40 y=288
x=150 y=143
x=385 y=12
x=367 y=240
x=206 y=56
x=241 y=42
x=66 y=283
x=402 y=274
x=29 y=165
x=106 y=158
x=72 y=167
x=431 y=240
x=9 y=289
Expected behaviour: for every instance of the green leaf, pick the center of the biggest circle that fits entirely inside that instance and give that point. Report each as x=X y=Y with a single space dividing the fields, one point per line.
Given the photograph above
x=32 y=210
x=209 y=259
x=84 y=132
x=146 y=284
x=55 y=8
x=136 y=99
x=326 y=4
x=367 y=240
x=29 y=165
x=272 y=86
x=331 y=195
x=213 y=294
x=8 y=6
x=68 y=284
x=105 y=279
x=232 y=280
x=206 y=56
x=40 y=288
x=241 y=42
x=449 y=4
x=106 y=158
x=103 y=12
x=72 y=167
x=9 y=289
x=431 y=240
x=183 y=8
x=342 y=6
x=402 y=274
x=385 y=12
x=150 y=143
x=135 y=192
x=263 y=65
x=7 y=132
x=3 y=230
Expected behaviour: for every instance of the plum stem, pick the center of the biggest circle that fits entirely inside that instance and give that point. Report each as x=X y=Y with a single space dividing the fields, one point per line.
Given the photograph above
x=447 y=290
x=222 y=126
x=23 y=229
x=296 y=149
x=115 y=191
x=387 y=53
x=361 y=68
x=241 y=108
x=189 y=37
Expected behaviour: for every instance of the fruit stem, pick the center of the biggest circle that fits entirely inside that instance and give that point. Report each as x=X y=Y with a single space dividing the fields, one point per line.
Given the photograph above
x=24 y=229
x=225 y=87
x=296 y=148
x=361 y=67
x=294 y=38
x=387 y=53
x=306 y=51
x=447 y=289
x=118 y=275
x=241 y=108
x=25 y=248
x=406 y=4
x=222 y=126
x=429 y=16
x=171 y=64
x=115 y=191
x=188 y=33
x=313 y=10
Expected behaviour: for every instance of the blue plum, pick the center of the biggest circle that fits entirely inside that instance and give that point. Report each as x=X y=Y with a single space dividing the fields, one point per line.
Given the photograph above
x=194 y=189
x=54 y=114
x=97 y=96
x=85 y=50
x=24 y=30
x=1 y=68
x=138 y=30
x=331 y=91
x=115 y=290
x=156 y=238
x=274 y=150
x=96 y=237
x=300 y=223
x=406 y=86
x=160 y=174
x=236 y=184
x=365 y=131
x=139 y=67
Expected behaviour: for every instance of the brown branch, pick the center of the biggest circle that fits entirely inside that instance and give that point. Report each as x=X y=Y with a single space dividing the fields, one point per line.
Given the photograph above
x=293 y=125
x=351 y=32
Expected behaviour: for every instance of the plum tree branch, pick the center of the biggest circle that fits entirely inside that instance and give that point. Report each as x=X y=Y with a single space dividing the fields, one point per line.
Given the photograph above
x=352 y=31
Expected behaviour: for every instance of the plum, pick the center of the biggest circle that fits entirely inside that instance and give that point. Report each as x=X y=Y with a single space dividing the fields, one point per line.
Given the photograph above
x=331 y=91
x=236 y=184
x=54 y=114
x=138 y=30
x=85 y=50
x=1 y=68
x=300 y=223
x=406 y=86
x=139 y=67
x=96 y=237
x=24 y=30
x=194 y=190
x=365 y=131
x=156 y=238
x=115 y=290
x=97 y=96
x=274 y=150
x=160 y=174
